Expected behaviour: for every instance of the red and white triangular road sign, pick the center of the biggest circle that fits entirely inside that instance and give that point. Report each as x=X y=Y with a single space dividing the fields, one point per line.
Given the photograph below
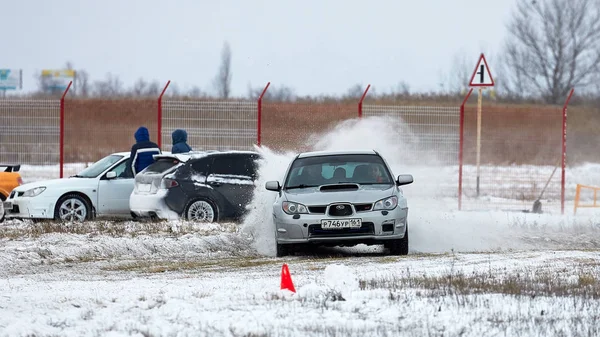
x=482 y=77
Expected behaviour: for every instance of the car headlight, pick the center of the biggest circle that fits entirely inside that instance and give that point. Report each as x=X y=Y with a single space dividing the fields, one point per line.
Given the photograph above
x=386 y=204
x=34 y=191
x=294 y=208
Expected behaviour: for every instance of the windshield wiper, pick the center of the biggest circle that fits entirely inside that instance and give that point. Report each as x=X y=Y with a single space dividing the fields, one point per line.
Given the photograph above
x=77 y=176
x=300 y=186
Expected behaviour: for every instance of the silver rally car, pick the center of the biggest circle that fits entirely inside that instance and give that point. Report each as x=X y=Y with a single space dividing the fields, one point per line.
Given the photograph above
x=340 y=198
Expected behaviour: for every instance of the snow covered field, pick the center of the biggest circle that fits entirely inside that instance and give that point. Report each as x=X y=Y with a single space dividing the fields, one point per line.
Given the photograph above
x=521 y=275
x=468 y=273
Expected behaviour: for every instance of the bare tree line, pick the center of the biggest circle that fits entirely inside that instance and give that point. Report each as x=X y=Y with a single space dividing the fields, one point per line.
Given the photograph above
x=551 y=46
x=112 y=86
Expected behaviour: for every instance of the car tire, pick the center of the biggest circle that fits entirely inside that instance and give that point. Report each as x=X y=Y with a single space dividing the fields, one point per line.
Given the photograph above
x=282 y=250
x=400 y=246
x=77 y=207
x=201 y=210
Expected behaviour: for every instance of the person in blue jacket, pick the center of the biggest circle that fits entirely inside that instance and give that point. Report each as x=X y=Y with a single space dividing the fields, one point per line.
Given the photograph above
x=142 y=151
x=180 y=144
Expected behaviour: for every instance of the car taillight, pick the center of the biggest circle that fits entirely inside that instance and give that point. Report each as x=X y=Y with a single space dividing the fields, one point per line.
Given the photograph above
x=20 y=181
x=168 y=183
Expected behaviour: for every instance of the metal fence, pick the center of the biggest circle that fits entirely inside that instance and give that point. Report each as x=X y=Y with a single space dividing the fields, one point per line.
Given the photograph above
x=29 y=131
x=520 y=147
x=520 y=153
x=30 y=136
x=427 y=132
x=215 y=125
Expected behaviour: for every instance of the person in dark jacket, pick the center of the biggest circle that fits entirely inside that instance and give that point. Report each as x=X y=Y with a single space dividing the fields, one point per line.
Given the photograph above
x=142 y=151
x=180 y=144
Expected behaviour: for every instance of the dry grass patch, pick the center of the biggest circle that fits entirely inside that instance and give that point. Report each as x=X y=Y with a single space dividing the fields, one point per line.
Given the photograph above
x=29 y=229
x=530 y=282
x=161 y=266
x=587 y=280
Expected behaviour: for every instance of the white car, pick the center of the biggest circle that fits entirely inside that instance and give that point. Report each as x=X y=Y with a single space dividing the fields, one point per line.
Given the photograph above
x=340 y=198
x=101 y=190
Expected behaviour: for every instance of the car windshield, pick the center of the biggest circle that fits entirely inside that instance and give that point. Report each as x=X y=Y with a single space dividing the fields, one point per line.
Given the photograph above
x=98 y=167
x=361 y=169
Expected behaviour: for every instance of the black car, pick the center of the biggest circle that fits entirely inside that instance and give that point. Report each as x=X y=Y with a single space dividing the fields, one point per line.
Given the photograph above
x=212 y=186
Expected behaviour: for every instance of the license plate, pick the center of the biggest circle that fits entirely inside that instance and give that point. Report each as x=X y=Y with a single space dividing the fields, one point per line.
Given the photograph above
x=341 y=223
x=7 y=206
x=144 y=187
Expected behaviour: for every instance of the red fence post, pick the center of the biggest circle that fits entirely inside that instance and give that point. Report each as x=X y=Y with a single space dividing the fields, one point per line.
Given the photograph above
x=564 y=153
x=360 y=103
x=159 y=122
x=259 y=115
x=62 y=130
x=461 y=144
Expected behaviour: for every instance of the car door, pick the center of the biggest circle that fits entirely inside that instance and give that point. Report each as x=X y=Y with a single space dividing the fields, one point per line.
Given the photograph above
x=113 y=194
x=232 y=176
x=192 y=177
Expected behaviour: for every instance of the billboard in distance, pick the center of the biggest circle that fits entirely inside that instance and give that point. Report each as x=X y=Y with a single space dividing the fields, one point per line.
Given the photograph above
x=11 y=79
x=57 y=79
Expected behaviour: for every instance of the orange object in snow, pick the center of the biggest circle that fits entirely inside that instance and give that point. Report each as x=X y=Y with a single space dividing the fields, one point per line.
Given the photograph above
x=286 y=279
x=9 y=179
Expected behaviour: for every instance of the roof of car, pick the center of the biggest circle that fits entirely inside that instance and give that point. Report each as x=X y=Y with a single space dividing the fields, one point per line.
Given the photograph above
x=232 y=151
x=126 y=154
x=190 y=155
x=198 y=154
x=333 y=153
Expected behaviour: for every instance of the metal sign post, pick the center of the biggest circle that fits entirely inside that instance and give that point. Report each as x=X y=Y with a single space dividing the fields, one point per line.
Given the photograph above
x=479 y=99
x=484 y=79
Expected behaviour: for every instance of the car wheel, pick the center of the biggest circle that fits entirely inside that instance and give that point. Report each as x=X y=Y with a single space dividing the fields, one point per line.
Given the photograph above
x=282 y=250
x=202 y=210
x=72 y=207
x=399 y=247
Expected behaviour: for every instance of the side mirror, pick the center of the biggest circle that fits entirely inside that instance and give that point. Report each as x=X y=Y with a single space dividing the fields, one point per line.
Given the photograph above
x=111 y=175
x=404 y=179
x=273 y=186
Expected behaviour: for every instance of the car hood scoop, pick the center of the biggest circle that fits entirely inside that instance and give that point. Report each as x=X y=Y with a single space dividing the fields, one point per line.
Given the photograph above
x=327 y=194
x=339 y=187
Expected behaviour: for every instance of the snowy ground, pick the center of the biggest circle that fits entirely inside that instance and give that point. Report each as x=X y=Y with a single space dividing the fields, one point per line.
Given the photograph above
x=468 y=273
x=519 y=276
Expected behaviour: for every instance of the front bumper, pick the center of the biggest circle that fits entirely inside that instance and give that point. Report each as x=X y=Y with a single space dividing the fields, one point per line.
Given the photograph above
x=148 y=205
x=38 y=207
x=377 y=227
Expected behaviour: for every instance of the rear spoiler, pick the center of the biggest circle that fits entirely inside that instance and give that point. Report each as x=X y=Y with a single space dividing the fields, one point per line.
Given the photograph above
x=171 y=156
x=183 y=157
x=10 y=168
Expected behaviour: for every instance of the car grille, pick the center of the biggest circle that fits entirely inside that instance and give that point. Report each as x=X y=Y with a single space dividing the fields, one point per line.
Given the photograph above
x=12 y=194
x=20 y=194
x=316 y=231
x=15 y=209
x=340 y=210
x=317 y=209
x=362 y=207
x=322 y=209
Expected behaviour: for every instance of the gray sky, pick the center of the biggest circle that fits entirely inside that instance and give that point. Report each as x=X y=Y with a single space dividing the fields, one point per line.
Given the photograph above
x=313 y=46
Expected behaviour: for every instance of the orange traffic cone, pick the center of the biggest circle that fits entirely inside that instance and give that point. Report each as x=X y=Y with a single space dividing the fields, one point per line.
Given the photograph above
x=286 y=279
